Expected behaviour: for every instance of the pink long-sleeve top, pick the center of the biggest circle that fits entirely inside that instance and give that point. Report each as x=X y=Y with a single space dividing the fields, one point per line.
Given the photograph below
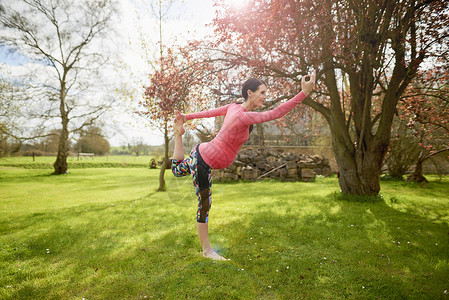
x=222 y=150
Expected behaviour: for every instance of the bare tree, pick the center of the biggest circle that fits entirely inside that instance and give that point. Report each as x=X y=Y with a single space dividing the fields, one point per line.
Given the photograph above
x=62 y=39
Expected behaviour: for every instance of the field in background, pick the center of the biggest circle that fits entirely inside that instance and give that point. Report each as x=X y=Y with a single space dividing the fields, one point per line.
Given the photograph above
x=46 y=162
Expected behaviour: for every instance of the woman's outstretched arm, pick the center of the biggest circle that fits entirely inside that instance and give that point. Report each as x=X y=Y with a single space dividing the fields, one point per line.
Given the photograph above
x=284 y=108
x=215 y=112
x=278 y=112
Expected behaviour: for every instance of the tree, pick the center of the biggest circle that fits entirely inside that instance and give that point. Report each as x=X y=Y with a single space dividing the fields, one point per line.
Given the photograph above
x=177 y=84
x=137 y=147
x=92 y=141
x=378 y=46
x=403 y=151
x=8 y=110
x=60 y=36
x=425 y=108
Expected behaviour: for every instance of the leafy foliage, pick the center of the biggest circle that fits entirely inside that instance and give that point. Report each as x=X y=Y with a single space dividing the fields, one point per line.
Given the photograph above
x=176 y=84
x=93 y=141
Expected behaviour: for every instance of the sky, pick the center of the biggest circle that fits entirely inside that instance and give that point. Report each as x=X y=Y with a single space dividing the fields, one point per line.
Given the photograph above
x=187 y=20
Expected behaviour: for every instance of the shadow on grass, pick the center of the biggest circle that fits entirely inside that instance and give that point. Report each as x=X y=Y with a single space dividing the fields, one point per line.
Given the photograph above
x=109 y=252
x=90 y=248
x=343 y=249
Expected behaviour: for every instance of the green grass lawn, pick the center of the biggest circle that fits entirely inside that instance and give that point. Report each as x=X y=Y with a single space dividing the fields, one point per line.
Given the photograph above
x=106 y=234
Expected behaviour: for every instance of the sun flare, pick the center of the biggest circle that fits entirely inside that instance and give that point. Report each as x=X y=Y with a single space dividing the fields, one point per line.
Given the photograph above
x=236 y=3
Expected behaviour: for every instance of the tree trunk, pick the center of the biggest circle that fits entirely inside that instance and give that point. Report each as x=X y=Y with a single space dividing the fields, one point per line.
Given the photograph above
x=358 y=172
x=417 y=175
x=165 y=162
x=260 y=134
x=60 y=164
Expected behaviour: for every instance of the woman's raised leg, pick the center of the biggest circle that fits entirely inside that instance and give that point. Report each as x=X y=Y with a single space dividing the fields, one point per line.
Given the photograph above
x=179 y=130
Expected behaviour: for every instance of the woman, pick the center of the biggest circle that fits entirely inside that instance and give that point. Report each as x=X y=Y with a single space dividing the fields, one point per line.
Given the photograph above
x=222 y=150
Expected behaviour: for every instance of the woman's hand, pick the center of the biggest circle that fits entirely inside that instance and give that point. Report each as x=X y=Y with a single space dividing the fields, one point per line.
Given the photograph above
x=180 y=116
x=308 y=86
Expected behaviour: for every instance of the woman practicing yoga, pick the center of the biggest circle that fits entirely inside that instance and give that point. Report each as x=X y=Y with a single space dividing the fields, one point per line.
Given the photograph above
x=222 y=150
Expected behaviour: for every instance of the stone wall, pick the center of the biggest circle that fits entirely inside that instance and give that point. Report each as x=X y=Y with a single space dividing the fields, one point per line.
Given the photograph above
x=252 y=163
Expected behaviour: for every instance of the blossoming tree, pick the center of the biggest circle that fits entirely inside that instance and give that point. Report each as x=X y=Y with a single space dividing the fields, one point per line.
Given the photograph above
x=379 y=46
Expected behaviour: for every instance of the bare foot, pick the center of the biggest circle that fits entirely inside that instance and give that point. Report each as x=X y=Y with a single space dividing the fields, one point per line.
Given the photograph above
x=178 y=128
x=213 y=255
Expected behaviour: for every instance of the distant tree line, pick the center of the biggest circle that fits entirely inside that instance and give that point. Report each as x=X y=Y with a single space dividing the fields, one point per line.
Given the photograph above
x=91 y=140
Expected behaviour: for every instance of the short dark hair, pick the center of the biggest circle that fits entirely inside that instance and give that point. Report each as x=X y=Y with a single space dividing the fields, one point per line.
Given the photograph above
x=251 y=84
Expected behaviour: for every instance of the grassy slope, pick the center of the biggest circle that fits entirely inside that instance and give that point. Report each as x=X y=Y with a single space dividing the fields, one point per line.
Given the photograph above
x=109 y=235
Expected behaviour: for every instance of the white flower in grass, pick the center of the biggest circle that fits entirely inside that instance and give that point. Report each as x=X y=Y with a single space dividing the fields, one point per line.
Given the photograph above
x=363 y=287
x=446 y=292
x=269 y=286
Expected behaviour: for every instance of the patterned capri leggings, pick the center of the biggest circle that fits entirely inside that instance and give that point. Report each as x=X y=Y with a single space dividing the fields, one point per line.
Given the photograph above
x=200 y=172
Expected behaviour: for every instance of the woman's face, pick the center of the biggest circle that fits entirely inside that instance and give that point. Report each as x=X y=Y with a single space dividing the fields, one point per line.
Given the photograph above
x=258 y=97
